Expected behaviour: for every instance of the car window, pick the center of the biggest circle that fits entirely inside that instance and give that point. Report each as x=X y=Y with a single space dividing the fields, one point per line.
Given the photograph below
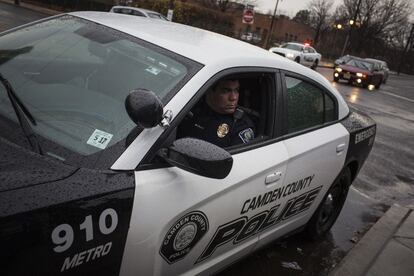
x=157 y=16
x=307 y=105
x=211 y=119
x=360 y=64
x=74 y=75
x=292 y=47
x=137 y=13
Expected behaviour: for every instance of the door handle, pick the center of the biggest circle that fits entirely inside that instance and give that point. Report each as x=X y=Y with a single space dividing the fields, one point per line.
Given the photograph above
x=340 y=148
x=274 y=177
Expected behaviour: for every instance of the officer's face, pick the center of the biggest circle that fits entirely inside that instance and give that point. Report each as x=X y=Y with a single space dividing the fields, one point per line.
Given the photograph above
x=224 y=98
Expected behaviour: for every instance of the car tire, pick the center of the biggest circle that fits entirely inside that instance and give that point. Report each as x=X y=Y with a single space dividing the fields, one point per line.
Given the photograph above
x=297 y=59
x=378 y=84
x=315 y=64
x=330 y=207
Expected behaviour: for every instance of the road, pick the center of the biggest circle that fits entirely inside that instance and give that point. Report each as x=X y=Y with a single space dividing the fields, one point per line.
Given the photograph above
x=388 y=174
x=386 y=178
x=12 y=16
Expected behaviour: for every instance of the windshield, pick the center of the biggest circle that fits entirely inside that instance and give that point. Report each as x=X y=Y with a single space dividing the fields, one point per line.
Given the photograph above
x=292 y=46
x=74 y=75
x=360 y=64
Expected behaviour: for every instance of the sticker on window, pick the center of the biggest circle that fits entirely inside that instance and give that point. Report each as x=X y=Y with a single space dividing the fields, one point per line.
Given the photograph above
x=99 y=139
x=153 y=70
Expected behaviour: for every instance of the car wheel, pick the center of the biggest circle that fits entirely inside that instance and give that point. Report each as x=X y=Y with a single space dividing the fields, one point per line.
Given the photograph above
x=315 y=64
x=330 y=207
x=297 y=59
x=378 y=84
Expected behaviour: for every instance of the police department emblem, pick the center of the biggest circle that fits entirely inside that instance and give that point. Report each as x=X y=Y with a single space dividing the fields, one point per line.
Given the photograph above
x=222 y=130
x=246 y=135
x=183 y=236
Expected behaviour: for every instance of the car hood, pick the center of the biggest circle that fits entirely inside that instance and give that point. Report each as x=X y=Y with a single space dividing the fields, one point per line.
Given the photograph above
x=21 y=168
x=354 y=69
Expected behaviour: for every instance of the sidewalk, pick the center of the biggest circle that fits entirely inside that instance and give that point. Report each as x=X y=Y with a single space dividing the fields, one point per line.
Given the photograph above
x=386 y=249
x=33 y=7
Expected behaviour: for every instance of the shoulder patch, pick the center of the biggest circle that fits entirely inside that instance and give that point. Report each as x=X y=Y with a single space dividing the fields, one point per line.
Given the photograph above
x=246 y=135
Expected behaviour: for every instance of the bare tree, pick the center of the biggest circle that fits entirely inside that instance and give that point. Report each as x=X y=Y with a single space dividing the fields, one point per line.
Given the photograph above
x=377 y=20
x=319 y=16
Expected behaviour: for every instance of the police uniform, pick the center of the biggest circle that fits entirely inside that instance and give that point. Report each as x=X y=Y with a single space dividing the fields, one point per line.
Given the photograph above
x=223 y=130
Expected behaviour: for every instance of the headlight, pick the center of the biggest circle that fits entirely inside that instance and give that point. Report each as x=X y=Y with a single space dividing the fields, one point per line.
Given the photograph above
x=338 y=69
x=360 y=75
x=290 y=55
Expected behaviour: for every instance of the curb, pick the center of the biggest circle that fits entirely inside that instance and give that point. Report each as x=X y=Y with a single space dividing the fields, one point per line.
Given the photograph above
x=362 y=258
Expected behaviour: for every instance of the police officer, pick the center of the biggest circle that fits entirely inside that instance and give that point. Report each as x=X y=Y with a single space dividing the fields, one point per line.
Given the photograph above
x=219 y=121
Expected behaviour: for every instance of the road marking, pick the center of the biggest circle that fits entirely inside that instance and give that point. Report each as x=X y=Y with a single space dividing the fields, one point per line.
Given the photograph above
x=361 y=193
x=397 y=96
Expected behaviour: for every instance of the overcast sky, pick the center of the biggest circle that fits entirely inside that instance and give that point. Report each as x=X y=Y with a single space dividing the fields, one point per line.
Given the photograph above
x=288 y=7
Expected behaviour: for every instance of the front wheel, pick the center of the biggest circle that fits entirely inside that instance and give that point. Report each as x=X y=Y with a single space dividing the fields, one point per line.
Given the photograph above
x=378 y=84
x=330 y=207
x=315 y=64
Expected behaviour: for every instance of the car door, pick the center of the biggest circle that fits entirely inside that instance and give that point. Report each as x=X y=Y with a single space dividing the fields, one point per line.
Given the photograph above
x=183 y=223
x=307 y=56
x=316 y=145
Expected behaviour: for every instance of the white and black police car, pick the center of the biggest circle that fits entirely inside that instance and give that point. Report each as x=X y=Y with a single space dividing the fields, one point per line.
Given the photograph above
x=94 y=181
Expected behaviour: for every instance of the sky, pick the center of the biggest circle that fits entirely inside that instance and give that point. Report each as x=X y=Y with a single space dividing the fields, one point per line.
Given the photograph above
x=287 y=7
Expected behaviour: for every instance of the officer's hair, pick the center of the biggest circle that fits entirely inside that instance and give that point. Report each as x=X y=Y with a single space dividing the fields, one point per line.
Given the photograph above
x=214 y=86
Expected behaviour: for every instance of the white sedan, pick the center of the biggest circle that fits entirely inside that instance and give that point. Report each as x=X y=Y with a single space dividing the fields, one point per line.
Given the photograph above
x=301 y=53
x=95 y=181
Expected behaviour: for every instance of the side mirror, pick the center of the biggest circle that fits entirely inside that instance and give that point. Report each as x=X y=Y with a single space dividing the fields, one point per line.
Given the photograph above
x=144 y=108
x=199 y=157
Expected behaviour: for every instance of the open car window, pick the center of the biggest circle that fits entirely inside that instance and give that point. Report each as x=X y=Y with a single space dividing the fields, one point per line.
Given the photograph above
x=248 y=124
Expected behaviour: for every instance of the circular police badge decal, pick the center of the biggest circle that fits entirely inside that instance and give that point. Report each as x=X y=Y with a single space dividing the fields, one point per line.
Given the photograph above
x=183 y=236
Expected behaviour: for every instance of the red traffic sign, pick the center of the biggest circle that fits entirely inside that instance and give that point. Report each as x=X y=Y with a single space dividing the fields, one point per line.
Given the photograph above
x=248 y=16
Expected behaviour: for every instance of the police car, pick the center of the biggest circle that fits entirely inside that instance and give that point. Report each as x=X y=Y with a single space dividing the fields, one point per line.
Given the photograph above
x=301 y=53
x=94 y=181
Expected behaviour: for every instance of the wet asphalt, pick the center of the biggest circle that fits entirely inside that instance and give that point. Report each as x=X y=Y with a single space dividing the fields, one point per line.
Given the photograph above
x=386 y=178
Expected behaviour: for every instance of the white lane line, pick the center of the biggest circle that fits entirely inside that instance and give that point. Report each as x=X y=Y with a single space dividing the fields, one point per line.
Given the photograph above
x=397 y=96
x=361 y=193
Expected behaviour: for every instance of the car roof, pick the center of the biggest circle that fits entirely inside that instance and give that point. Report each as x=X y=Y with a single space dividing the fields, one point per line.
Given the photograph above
x=217 y=52
x=197 y=44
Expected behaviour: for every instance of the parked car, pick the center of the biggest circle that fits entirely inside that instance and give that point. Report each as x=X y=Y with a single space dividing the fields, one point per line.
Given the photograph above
x=301 y=53
x=94 y=180
x=383 y=68
x=359 y=71
x=247 y=36
x=137 y=12
x=343 y=59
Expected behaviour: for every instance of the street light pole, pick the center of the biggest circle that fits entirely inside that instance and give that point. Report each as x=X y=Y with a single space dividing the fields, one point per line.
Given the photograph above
x=271 y=26
x=351 y=23
x=170 y=10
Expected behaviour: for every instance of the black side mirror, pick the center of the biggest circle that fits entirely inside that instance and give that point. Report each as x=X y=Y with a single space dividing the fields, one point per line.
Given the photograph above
x=144 y=108
x=199 y=157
